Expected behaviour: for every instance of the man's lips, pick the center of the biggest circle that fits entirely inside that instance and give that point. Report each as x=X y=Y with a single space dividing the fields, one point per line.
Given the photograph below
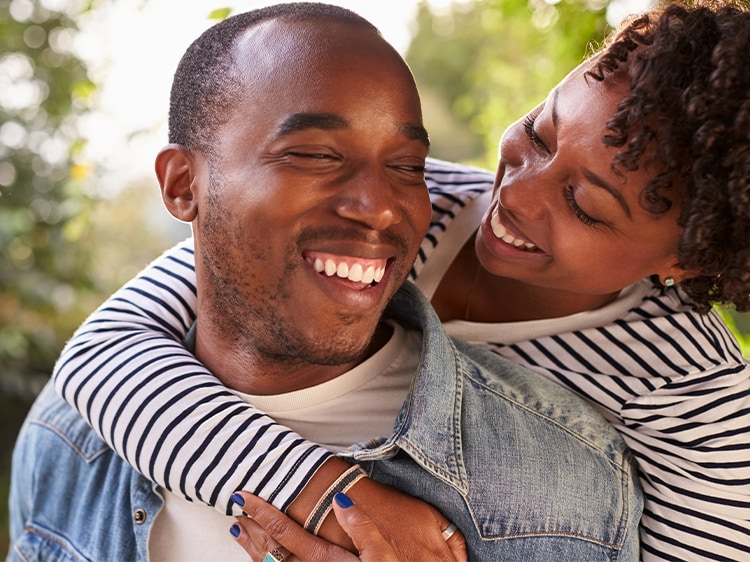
x=355 y=269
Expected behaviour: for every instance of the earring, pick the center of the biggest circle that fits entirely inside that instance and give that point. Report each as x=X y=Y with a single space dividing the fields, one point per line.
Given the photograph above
x=669 y=282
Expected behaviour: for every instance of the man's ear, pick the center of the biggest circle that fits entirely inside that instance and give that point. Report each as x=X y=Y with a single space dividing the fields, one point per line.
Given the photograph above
x=176 y=171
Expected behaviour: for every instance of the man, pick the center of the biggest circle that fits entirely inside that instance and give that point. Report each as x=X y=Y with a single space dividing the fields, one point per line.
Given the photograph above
x=297 y=153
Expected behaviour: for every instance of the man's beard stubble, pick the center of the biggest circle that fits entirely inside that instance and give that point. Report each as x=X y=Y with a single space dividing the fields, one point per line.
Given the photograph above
x=257 y=325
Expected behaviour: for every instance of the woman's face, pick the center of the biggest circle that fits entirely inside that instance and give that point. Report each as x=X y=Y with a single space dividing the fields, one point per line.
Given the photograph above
x=560 y=217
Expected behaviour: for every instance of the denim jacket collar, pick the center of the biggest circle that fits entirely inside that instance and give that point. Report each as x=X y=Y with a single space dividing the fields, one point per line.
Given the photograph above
x=422 y=429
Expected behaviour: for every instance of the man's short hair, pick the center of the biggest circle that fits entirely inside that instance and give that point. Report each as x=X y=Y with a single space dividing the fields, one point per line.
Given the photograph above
x=205 y=84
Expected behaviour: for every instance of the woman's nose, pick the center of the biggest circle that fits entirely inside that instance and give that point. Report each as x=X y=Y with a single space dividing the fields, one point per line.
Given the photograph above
x=524 y=176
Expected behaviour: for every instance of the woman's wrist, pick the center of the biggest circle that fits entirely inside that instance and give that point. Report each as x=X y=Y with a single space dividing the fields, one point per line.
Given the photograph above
x=303 y=506
x=323 y=507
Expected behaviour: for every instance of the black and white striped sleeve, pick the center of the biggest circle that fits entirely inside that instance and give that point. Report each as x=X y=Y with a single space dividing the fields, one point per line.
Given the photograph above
x=126 y=371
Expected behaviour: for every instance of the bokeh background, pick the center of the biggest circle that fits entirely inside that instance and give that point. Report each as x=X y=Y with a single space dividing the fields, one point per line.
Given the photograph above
x=83 y=99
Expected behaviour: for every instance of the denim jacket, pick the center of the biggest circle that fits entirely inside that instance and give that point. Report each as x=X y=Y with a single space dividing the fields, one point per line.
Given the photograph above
x=525 y=469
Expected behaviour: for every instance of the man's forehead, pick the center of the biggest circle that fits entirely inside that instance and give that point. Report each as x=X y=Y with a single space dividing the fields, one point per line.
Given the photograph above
x=291 y=38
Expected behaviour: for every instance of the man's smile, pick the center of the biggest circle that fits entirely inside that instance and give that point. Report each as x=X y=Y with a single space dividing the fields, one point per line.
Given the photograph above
x=357 y=270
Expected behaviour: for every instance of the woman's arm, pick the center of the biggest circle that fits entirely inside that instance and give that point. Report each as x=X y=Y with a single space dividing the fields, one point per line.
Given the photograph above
x=131 y=378
x=128 y=373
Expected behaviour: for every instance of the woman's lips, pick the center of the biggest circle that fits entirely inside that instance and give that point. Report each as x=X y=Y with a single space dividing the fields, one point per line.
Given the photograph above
x=501 y=233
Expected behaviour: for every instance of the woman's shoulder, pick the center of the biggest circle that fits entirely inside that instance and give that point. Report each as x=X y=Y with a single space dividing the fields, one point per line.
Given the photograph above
x=665 y=319
x=447 y=178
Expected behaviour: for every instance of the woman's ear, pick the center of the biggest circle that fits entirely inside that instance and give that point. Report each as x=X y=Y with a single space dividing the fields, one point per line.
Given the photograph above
x=176 y=171
x=675 y=274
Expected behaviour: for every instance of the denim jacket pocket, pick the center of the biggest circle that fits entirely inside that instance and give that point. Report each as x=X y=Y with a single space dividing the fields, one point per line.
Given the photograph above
x=37 y=544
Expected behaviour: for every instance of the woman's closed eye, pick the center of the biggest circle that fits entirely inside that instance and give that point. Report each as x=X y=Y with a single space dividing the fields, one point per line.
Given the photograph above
x=582 y=216
x=528 y=125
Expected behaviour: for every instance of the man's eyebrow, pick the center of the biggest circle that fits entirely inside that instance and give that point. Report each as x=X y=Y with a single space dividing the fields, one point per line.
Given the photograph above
x=599 y=182
x=302 y=121
x=415 y=132
x=330 y=121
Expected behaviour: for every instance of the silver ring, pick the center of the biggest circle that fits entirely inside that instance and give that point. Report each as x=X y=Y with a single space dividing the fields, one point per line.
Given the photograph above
x=449 y=530
x=278 y=554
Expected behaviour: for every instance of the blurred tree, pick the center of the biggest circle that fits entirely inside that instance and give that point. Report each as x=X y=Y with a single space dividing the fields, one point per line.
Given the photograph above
x=481 y=65
x=64 y=245
x=45 y=284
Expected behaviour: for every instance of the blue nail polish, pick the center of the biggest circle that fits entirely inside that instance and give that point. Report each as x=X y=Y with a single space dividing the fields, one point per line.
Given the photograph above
x=238 y=499
x=235 y=530
x=343 y=500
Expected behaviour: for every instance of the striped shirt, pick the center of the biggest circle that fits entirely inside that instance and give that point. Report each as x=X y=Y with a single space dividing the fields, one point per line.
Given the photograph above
x=672 y=382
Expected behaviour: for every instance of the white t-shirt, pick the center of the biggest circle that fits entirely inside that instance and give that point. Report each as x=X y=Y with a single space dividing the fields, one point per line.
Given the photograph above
x=359 y=405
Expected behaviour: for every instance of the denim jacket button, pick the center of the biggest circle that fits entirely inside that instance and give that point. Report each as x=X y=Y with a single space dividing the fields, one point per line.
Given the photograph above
x=139 y=516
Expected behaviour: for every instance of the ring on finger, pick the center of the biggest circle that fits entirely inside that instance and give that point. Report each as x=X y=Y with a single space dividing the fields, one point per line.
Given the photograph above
x=278 y=554
x=449 y=530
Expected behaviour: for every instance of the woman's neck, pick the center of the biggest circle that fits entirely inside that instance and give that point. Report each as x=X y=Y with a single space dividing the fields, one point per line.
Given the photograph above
x=469 y=292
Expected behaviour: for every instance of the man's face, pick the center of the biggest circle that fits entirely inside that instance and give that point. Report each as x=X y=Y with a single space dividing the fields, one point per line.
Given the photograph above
x=317 y=203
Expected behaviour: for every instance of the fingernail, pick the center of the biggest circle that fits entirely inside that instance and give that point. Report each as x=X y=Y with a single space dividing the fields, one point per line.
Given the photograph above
x=238 y=499
x=343 y=500
x=235 y=530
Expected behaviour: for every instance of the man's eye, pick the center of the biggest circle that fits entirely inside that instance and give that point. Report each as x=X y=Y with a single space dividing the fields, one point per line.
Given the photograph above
x=412 y=174
x=413 y=169
x=313 y=155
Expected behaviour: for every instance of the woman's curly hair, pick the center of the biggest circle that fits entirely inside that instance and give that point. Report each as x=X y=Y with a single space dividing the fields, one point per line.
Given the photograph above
x=690 y=102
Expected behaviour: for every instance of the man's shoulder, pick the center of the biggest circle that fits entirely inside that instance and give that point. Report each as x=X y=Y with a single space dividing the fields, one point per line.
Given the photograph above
x=65 y=482
x=54 y=421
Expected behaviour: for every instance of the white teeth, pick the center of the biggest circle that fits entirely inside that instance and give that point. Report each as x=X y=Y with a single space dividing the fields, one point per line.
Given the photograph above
x=499 y=230
x=330 y=268
x=355 y=273
x=368 y=275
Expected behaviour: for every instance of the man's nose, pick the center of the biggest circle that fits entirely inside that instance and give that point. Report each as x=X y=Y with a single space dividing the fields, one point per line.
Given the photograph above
x=368 y=198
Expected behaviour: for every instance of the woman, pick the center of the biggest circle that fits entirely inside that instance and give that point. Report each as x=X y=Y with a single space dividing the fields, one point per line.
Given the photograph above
x=619 y=214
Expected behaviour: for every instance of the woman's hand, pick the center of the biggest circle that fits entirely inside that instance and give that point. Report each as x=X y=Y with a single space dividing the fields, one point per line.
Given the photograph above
x=411 y=526
x=267 y=529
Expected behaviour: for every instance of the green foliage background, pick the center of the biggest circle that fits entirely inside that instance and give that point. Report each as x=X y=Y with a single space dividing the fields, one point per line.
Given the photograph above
x=64 y=246
x=485 y=64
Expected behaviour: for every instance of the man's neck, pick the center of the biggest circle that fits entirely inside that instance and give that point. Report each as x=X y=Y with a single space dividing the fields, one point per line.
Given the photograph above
x=252 y=373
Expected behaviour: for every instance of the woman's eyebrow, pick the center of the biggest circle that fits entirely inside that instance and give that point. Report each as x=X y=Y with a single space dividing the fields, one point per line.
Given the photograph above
x=599 y=182
x=588 y=174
